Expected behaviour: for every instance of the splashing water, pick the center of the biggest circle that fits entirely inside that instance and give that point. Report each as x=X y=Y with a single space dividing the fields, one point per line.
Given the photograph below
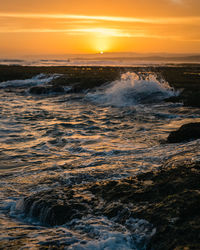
x=36 y=80
x=133 y=89
x=52 y=142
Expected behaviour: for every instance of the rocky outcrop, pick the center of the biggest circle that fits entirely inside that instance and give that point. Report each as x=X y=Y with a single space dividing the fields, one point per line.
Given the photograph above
x=186 y=132
x=168 y=198
x=186 y=80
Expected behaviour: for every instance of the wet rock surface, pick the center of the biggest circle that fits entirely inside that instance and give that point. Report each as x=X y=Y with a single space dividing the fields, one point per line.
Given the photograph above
x=186 y=132
x=56 y=207
x=168 y=198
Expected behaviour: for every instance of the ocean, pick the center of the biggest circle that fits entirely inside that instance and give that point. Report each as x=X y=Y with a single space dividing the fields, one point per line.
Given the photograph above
x=68 y=140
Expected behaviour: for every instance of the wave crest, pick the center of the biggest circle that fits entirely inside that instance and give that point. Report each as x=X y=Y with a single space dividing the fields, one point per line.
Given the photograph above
x=133 y=89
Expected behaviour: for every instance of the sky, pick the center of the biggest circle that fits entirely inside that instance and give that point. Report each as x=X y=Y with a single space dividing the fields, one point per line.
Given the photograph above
x=57 y=27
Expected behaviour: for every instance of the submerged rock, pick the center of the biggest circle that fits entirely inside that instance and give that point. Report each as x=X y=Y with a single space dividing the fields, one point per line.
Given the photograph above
x=186 y=132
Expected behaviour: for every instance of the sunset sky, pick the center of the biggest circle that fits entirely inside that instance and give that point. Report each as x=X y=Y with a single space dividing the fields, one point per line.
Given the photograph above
x=33 y=27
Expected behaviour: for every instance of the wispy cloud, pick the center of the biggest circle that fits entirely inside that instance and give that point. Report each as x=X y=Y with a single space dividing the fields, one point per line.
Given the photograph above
x=95 y=31
x=99 y=32
x=101 y=26
x=165 y=20
x=177 y=1
x=17 y=30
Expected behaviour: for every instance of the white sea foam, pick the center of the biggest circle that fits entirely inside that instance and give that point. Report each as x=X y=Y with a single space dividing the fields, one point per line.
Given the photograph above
x=133 y=89
x=91 y=232
x=101 y=233
x=34 y=81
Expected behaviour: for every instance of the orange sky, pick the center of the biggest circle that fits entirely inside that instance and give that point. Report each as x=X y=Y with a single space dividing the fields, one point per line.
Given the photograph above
x=36 y=27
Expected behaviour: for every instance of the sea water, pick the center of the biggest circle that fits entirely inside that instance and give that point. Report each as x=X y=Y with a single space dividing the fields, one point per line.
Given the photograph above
x=108 y=133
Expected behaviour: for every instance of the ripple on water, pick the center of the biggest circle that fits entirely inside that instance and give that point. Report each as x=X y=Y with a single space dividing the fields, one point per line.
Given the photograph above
x=64 y=141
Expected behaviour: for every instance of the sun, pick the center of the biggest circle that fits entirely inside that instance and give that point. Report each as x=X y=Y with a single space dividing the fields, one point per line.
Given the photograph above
x=101 y=44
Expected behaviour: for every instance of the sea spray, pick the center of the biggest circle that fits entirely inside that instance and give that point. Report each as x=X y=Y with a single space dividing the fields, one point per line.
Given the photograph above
x=55 y=144
x=34 y=81
x=133 y=89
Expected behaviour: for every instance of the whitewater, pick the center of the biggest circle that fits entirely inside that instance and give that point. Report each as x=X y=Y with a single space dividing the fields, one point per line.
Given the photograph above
x=52 y=141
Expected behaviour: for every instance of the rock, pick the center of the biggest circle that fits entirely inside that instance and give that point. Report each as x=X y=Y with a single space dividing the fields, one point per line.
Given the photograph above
x=57 y=89
x=169 y=199
x=38 y=90
x=56 y=206
x=41 y=90
x=192 y=99
x=186 y=132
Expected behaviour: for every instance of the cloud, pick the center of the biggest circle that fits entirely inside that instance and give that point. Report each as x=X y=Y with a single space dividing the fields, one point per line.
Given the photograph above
x=95 y=31
x=98 y=32
x=165 y=20
x=177 y=1
x=101 y=32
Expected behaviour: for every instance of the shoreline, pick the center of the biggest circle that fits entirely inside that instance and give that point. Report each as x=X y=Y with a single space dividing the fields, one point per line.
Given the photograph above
x=183 y=78
x=168 y=198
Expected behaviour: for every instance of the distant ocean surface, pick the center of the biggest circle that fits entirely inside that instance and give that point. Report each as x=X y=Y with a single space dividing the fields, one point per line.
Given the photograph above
x=55 y=140
x=100 y=60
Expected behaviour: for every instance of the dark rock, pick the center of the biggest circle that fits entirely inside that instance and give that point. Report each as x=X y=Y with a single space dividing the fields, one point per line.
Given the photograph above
x=192 y=99
x=38 y=90
x=186 y=132
x=56 y=207
x=57 y=89
x=41 y=90
x=173 y=99
x=168 y=198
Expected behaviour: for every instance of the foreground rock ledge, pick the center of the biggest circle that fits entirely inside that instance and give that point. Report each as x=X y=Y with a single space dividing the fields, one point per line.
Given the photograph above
x=168 y=198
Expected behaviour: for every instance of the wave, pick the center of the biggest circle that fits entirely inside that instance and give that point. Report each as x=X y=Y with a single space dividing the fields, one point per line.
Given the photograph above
x=133 y=89
x=87 y=231
x=34 y=81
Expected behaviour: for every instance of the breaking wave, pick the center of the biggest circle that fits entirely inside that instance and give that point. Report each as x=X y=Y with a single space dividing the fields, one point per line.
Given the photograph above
x=34 y=81
x=133 y=89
